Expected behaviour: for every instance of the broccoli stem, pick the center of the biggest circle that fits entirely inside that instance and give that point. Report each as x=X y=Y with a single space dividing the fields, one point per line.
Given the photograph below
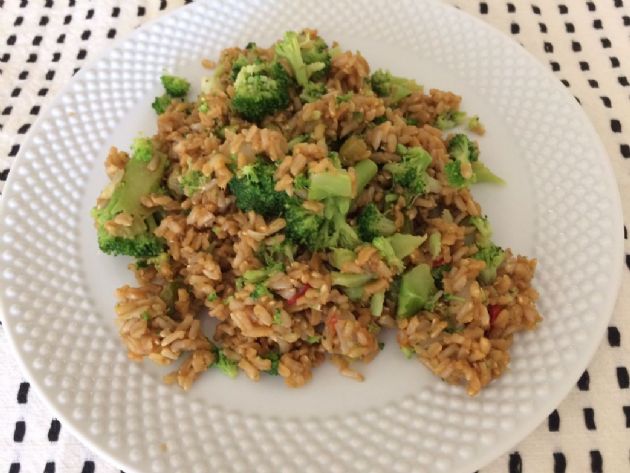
x=376 y=303
x=326 y=184
x=350 y=279
x=365 y=171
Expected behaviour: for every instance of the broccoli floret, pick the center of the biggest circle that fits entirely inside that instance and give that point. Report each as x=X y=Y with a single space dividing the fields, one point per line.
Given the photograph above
x=259 y=291
x=274 y=357
x=136 y=239
x=312 y=92
x=461 y=148
x=253 y=186
x=280 y=253
x=392 y=88
x=484 y=231
x=475 y=125
x=301 y=182
x=411 y=173
x=192 y=182
x=438 y=274
x=449 y=119
x=260 y=90
x=142 y=150
x=303 y=226
x=493 y=256
x=290 y=48
x=237 y=65
x=314 y=53
x=161 y=103
x=372 y=223
x=344 y=97
x=463 y=151
x=175 y=86
x=227 y=366
x=384 y=247
x=453 y=172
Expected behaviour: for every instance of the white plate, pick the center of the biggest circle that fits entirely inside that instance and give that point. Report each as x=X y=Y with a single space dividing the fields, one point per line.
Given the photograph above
x=561 y=206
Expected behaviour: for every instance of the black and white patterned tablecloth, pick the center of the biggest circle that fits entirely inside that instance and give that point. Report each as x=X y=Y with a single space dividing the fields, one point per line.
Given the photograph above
x=585 y=43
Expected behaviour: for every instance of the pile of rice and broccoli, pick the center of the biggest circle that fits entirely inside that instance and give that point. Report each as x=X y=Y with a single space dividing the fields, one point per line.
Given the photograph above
x=306 y=205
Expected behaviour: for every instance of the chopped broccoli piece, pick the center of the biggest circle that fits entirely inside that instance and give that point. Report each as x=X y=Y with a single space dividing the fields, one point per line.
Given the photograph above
x=260 y=90
x=297 y=140
x=475 y=125
x=405 y=244
x=316 y=56
x=301 y=182
x=484 y=230
x=461 y=148
x=275 y=361
x=408 y=352
x=279 y=254
x=392 y=88
x=340 y=256
x=449 y=119
x=364 y=172
x=452 y=298
x=412 y=121
x=161 y=103
x=438 y=274
x=493 y=256
x=212 y=297
x=225 y=365
x=251 y=45
x=435 y=244
x=325 y=185
x=307 y=57
x=260 y=291
x=384 y=247
x=411 y=173
x=351 y=280
x=344 y=97
x=277 y=316
x=372 y=223
x=353 y=150
x=203 y=105
x=376 y=303
x=142 y=150
x=146 y=316
x=192 y=182
x=238 y=63
x=253 y=187
x=313 y=91
x=416 y=289
x=329 y=184
x=175 y=86
x=303 y=226
x=312 y=339
x=137 y=239
x=454 y=177
x=483 y=174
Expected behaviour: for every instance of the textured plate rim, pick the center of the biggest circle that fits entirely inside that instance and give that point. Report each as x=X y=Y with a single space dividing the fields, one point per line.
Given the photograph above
x=500 y=446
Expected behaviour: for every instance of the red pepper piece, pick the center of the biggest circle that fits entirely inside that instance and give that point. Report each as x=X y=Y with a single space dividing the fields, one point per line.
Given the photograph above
x=299 y=293
x=493 y=311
